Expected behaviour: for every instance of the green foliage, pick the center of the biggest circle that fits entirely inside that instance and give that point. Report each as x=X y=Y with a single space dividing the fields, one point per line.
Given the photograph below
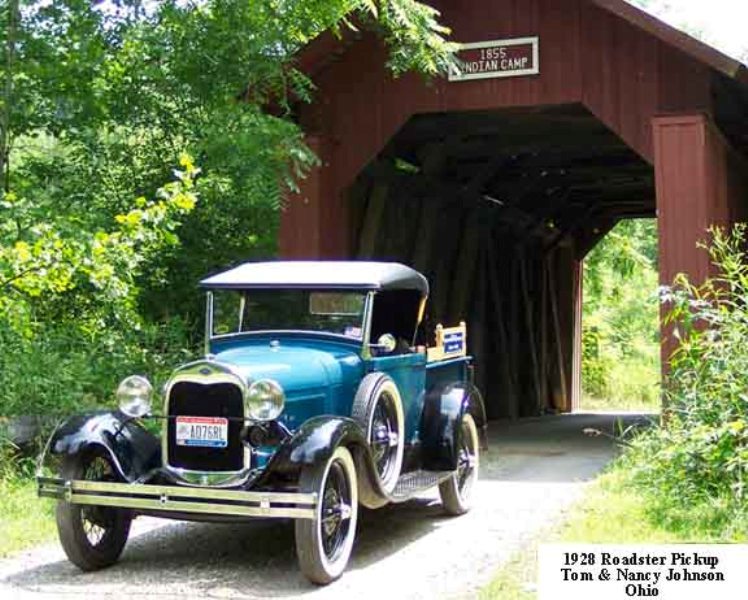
x=61 y=370
x=102 y=98
x=415 y=37
x=620 y=325
x=56 y=266
x=699 y=457
x=99 y=260
x=69 y=325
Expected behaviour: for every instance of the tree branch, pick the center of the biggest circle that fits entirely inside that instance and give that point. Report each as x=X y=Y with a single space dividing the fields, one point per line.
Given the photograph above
x=21 y=275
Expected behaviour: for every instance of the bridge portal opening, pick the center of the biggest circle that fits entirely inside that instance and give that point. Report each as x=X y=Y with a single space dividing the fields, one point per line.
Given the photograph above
x=498 y=209
x=621 y=337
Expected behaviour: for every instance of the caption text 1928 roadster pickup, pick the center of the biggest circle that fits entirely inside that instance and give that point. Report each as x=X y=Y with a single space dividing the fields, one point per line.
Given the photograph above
x=316 y=395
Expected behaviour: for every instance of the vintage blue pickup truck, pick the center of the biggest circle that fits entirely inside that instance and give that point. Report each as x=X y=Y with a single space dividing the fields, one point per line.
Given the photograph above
x=318 y=392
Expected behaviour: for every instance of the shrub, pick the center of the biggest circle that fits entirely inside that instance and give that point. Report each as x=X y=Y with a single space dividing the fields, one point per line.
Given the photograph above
x=69 y=297
x=60 y=370
x=699 y=455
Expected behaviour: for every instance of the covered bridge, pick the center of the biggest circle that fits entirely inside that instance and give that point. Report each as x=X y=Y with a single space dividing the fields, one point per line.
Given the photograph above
x=566 y=117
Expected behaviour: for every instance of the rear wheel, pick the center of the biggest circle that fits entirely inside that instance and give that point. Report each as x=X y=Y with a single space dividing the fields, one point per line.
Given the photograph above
x=456 y=492
x=92 y=537
x=324 y=543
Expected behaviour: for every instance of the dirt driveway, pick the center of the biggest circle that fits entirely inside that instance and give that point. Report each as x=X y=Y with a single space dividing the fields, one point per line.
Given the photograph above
x=533 y=471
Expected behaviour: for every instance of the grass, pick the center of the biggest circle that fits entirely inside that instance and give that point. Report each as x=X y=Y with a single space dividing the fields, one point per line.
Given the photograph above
x=25 y=520
x=593 y=404
x=516 y=580
x=630 y=385
x=612 y=512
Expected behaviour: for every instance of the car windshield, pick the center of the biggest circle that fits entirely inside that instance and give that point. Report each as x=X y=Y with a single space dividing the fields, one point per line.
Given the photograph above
x=338 y=312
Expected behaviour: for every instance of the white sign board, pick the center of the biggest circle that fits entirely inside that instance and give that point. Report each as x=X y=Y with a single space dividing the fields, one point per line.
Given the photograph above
x=498 y=58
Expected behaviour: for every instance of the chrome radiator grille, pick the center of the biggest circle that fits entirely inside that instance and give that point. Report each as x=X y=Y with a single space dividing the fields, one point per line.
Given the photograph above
x=191 y=399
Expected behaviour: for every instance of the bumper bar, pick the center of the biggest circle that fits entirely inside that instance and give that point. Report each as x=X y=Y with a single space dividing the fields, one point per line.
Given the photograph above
x=180 y=499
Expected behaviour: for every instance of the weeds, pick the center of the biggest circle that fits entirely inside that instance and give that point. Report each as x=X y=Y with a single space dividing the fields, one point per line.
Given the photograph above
x=698 y=459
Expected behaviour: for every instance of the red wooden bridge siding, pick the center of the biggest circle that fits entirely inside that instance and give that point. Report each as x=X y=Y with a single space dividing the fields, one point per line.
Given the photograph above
x=650 y=85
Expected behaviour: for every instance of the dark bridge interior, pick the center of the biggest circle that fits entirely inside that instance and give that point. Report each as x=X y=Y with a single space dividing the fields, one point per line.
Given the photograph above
x=497 y=209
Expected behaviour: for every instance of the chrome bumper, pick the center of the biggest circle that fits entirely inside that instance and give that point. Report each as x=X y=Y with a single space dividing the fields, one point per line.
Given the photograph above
x=180 y=499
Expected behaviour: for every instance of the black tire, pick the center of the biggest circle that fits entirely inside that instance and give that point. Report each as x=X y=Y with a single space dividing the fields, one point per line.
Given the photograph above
x=93 y=537
x=378 y=408
x=324 y=543
x=456 y=492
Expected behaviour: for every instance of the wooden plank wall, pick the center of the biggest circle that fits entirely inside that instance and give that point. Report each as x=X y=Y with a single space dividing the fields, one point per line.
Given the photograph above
x=516 y=298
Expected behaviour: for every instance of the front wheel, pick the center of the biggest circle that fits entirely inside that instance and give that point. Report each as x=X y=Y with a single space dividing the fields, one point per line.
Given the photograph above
x=92 y=537
x=456 y=492
x=324 y=543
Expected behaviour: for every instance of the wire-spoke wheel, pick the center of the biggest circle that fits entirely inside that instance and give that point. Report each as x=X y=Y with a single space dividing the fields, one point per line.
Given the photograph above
x=456 y=492
x=93 y=537
x=378 y=408
x=324 y=543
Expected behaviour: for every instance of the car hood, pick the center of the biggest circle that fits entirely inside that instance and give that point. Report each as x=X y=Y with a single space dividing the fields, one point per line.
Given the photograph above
x=296 y=367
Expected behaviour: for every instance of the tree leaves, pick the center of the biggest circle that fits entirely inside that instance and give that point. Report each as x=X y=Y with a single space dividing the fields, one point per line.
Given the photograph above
x=103 y=264
x=99 y=102
x=620 y=327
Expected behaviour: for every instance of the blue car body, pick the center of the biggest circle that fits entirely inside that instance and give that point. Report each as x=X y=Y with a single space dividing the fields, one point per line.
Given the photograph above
x=320 y=376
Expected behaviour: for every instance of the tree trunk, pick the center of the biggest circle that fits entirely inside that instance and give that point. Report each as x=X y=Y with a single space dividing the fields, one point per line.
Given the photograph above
x=10 y=51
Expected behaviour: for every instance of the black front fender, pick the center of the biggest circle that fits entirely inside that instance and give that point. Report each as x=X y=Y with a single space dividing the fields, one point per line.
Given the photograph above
x=312 y=444
x=134 y=450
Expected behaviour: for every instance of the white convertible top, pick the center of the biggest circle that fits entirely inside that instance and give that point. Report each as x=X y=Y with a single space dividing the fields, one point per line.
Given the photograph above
x=352 y=275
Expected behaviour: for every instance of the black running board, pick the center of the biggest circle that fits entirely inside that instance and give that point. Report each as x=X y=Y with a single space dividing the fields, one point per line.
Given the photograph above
x=413 y=483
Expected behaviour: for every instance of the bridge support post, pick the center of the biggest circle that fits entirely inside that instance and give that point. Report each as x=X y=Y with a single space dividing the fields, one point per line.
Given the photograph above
x=698 y=180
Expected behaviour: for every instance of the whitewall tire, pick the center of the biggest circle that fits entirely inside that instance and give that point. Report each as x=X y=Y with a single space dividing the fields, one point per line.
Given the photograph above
x=378 y=408
x=324 y=543
x=457 y=491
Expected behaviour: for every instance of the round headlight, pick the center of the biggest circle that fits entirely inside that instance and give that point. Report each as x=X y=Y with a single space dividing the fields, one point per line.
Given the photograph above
x=134 y=396
x=265 y=400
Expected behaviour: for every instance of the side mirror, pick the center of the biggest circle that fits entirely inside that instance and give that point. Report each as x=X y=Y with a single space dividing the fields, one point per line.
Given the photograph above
x=386 y=343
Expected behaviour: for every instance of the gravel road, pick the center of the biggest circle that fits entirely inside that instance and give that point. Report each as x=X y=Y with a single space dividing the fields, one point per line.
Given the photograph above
x=533 y=471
